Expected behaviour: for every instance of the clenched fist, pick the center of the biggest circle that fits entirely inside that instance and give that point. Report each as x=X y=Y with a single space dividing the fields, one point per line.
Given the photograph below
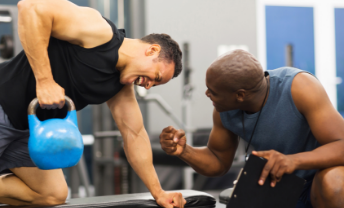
x=50 y=95
x=172 y=141
x=170 y=200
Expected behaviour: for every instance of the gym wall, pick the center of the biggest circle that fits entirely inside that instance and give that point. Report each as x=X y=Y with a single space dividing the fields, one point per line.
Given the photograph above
x=205 y=25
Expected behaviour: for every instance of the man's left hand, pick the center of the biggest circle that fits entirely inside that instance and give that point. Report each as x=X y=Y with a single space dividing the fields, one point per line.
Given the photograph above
x=170 y=200
x=277 y=165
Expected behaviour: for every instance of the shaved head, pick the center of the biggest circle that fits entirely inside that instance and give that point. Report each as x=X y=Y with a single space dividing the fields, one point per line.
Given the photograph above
x=237 y=70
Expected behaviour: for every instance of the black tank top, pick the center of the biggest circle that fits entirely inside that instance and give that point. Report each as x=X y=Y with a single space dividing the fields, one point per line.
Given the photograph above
x=89 y=76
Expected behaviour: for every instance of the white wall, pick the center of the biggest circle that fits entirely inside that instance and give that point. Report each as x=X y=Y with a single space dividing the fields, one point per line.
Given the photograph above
x=205 y=25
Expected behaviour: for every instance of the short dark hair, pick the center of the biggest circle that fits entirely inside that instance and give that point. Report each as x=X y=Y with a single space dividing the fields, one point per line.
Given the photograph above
x=170 y=50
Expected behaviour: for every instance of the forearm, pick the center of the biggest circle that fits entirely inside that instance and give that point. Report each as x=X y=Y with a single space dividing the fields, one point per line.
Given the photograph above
x=34 y=28
x=139 y=154
x=204 y=161
x=326 y=156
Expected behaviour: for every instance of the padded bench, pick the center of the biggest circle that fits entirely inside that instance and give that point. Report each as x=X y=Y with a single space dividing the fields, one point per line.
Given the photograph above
x=194 y=199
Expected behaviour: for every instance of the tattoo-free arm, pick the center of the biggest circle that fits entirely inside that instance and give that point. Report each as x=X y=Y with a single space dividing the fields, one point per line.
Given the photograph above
x=127 y=114
x=326 y=124
x=40 y=19
x=216 y=158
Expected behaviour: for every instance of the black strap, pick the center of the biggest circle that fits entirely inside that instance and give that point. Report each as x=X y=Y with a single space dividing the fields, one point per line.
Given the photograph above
x=255 y=125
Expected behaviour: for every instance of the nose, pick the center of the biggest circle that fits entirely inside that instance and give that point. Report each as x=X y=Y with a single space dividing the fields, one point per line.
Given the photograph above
x=207 y=93
x=148 y=85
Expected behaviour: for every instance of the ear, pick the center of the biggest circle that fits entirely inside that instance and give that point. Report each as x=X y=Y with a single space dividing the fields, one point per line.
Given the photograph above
x=153 y=49
x=240 y=95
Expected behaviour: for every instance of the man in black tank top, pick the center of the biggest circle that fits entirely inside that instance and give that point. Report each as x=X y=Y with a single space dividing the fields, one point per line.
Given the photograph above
x=71 y=50
x=284 y=113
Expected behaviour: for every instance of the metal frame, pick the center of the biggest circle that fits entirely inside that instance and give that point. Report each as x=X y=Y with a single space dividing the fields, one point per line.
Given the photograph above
x=13 y=10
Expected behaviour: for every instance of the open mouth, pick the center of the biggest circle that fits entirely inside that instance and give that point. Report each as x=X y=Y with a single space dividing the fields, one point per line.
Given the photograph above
x=139 y=80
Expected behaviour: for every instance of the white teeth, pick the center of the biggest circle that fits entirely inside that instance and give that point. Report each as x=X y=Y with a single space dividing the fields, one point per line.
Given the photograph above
x=139 y=80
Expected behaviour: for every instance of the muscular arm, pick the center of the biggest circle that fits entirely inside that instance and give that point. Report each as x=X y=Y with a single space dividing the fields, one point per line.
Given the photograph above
x=326 y=124
x=127 y=114
x=216 y=158
x=40 y=19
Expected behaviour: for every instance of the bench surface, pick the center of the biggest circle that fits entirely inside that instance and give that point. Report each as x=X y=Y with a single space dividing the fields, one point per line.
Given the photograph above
x=141 y=200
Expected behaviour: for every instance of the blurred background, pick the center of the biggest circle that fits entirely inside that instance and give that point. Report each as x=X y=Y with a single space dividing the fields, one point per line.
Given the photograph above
x=307 y=34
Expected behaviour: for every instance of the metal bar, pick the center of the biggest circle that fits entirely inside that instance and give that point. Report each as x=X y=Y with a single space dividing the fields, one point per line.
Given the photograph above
x=289 y=55
x=84 y=175
x=97 y=153
x=92 y=4
x=107 y=9
x=106 y=161
x=137 y=18
x=120 y=4
x=108 y=152
x=74 y=180
x=165 y=107
x=102 y=134
x=186 y=107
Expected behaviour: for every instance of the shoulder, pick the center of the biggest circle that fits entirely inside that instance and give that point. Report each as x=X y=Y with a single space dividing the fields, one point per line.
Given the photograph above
x=284 y=72
x=218 y=124
x=307 y=92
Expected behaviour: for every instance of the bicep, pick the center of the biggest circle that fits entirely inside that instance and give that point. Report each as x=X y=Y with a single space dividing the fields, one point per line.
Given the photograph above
x=69 y=22
x=311 y=99
x=222 y=142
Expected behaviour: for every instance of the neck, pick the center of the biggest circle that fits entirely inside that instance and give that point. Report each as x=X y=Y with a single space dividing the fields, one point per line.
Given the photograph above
x=128 y=52
x=255 y=102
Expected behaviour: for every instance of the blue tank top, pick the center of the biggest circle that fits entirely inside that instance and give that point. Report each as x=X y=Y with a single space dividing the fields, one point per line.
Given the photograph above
x=281 y=126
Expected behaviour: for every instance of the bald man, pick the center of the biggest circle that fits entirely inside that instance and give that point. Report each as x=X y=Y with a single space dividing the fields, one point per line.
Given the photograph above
x=284 y=113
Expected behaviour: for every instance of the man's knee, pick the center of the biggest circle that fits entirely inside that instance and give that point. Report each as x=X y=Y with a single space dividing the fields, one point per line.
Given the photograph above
x=53 y=196
x=328 y=186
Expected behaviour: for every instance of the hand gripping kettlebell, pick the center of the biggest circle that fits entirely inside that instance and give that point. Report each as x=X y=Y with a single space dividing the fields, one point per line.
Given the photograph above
x=54 y=143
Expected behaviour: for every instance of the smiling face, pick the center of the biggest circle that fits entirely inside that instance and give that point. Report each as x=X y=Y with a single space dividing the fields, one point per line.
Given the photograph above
x=155 y=73
x=223 y=99
x=148 y=70
x=160 y=73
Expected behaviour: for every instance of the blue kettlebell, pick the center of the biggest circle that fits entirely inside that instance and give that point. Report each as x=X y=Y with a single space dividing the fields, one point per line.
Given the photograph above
x=54 y=143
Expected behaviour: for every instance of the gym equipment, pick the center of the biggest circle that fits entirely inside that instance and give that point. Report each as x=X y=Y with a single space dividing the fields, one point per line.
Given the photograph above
x=6 y=46
x=188 y=172
x=9 y=38
x=248 y=193
x=194 y=199
x=54 y=143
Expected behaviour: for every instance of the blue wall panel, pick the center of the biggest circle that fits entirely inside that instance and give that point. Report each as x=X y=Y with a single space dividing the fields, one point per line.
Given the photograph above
x=9 y=2
x=290 y=25
x=339 y=32
x=80 y=2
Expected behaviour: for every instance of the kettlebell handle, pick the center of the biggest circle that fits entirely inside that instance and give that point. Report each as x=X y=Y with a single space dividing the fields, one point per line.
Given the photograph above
x=34 y=105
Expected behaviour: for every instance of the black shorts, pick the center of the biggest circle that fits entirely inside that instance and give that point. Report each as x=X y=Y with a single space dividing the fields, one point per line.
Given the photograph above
x=14 y=150
x=305 y=198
